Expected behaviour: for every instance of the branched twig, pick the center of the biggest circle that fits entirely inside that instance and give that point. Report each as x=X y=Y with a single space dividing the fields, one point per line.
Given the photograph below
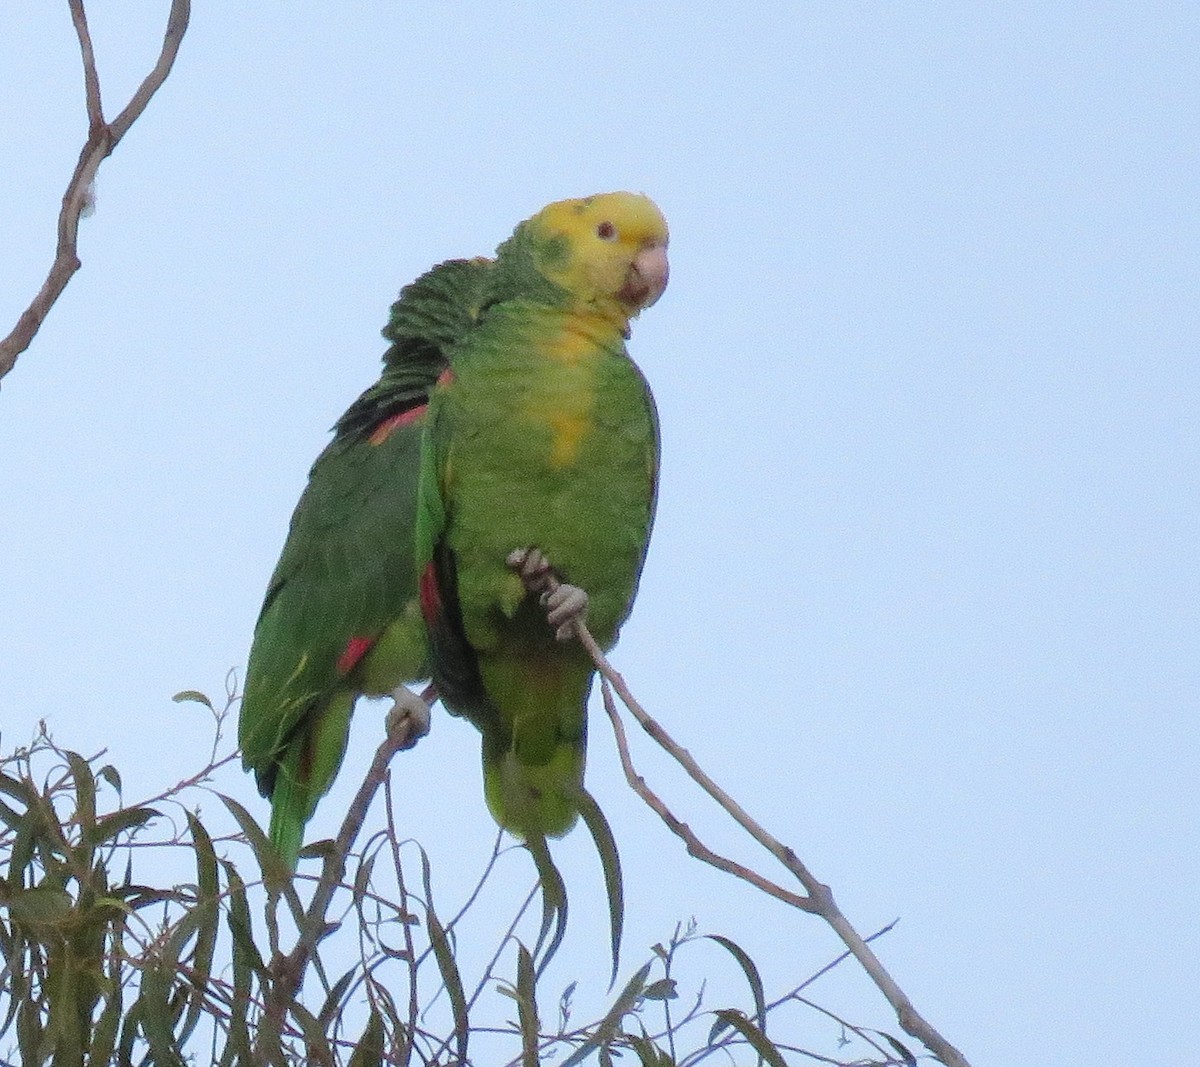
x=677 y=826
x=196 y=779
x=289 y=970
x=102 y=138
x=409 y=947
x=819 y=900
x=771 y=1006
x=508 y=937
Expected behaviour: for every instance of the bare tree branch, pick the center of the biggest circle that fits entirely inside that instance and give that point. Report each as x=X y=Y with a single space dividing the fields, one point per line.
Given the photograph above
x=289 y=970
x=91 y=79
x=102 y=138
x=177 y=23
x=819 y=900
x=681 y=829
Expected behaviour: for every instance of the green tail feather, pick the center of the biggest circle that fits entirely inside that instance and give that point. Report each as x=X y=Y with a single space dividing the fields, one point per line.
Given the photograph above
x=287 y=821
x=305 y=775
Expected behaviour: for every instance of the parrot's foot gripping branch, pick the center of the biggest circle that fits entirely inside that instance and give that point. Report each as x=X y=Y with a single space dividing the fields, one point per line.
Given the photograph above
x=409 y=714
x=565 y=604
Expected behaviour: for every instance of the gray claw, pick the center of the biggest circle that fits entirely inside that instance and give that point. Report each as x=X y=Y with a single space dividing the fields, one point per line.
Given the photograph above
x=565 y=606
x=534 y=568
x=410 y=714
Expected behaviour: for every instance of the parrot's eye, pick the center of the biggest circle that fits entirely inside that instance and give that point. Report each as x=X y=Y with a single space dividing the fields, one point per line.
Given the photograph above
x=606 y=231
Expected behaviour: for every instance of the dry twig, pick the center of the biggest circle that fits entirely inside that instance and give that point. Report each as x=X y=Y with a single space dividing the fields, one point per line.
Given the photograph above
x=102 y=138
x=289 y=970
x=819 y=899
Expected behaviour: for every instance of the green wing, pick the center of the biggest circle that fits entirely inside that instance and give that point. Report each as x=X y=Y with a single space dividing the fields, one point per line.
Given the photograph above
x=340 y=617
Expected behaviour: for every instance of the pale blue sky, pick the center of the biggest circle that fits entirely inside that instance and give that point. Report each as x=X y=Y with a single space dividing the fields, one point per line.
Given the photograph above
x=923 y=590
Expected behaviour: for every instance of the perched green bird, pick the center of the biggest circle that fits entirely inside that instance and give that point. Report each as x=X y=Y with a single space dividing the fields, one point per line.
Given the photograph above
x=540 y=450
x=341 y=616
x=554 y=443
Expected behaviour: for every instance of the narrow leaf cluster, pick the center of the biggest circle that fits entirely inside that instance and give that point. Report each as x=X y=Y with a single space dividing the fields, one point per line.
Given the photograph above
x=102 y=963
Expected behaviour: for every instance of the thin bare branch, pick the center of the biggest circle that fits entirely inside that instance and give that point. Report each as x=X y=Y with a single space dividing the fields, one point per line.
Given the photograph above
x=177 y=23
x=102 y=138
x=289 y=970
x=91 y=80
x=695 y=846
x=414 y=1007
x=819 y=900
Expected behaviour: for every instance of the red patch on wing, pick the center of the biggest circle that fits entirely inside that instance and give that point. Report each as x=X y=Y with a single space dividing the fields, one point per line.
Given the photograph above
x=446 y=378
x=384 y=430
x=431 y=597
x=356 y=648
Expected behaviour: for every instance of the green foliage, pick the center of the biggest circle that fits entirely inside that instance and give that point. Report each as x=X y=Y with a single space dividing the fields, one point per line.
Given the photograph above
x=230 y=961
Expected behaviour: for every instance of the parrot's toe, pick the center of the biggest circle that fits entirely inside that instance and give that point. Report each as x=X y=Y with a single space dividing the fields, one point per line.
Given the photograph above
x=565 y=606
x=535 y=569
x=410 y=715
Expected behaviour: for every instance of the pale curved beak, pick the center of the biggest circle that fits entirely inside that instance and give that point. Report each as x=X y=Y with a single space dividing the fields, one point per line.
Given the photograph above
x=647 y=277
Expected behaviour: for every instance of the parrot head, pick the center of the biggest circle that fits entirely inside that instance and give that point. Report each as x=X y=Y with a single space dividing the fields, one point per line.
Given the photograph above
x=608 y=251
